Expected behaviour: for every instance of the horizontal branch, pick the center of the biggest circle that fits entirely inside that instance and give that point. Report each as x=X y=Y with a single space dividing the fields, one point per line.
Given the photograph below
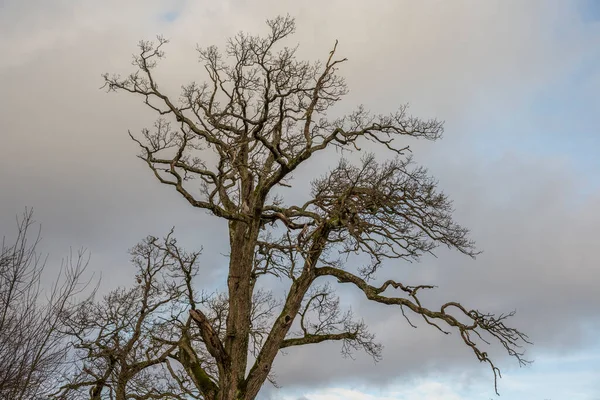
x=509 y=338
x=313 y=339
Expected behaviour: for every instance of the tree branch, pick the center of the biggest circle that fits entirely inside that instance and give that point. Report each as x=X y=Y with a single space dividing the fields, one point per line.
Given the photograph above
x=509 y=338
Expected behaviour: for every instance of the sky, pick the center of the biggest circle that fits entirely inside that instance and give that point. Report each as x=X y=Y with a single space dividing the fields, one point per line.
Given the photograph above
x=516 y=82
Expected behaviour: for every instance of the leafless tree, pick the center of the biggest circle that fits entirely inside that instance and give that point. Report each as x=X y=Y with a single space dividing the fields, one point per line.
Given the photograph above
x=125 y=340
x=231 y=145
x=33 y=348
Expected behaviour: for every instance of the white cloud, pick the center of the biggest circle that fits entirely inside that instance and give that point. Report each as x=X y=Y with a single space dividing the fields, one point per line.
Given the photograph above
x=429 y=390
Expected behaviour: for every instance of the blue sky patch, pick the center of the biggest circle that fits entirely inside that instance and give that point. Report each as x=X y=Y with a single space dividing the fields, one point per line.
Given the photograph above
x=170 y=16
x=590 y=10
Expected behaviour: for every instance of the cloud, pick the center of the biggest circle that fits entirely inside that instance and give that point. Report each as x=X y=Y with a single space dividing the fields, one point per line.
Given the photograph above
x=481 y=66
x=421 y=391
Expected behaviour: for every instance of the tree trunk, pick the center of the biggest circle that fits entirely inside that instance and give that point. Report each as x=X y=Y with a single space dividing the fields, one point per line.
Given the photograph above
x=243 y=238
x=121 y=390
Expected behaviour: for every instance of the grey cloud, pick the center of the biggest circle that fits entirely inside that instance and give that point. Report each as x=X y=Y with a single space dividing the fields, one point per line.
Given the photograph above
x=65 y=151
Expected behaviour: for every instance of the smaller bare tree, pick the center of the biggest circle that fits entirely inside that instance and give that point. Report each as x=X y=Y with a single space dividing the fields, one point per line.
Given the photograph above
x=125 y=340
x=33 y=347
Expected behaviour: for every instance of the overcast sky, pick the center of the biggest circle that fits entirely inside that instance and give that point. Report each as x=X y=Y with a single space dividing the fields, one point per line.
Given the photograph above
x=517 y=83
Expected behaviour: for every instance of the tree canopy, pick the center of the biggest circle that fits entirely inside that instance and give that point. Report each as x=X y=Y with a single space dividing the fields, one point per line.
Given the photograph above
x=229 y=146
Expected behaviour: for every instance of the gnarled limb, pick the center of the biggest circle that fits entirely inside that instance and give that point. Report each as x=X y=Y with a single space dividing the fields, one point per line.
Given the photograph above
x=510 y=338
x=211 y=339
x=282 y=324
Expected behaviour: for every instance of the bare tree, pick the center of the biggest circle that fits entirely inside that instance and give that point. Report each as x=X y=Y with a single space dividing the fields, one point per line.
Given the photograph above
x=124 y=342
x=33 y=348
x=230 y=145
